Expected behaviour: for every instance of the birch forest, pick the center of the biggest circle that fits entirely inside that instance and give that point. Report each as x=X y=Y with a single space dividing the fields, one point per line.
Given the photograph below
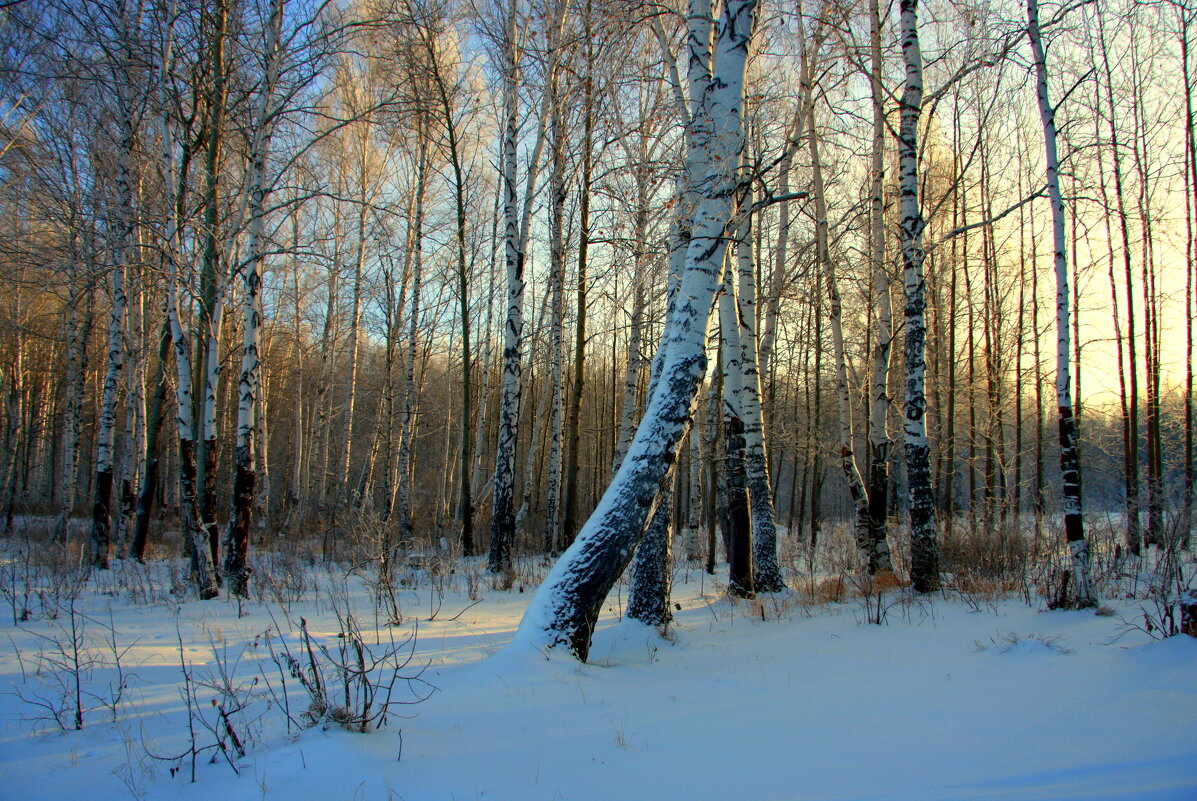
x=899 y=291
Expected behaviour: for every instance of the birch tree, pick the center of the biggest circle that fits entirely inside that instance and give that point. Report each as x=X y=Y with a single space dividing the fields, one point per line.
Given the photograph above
x=1073 y=525
x=566 y=606
x=924 y=562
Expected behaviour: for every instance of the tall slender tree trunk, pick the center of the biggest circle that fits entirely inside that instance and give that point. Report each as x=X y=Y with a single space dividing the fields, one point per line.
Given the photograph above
x=879 y=399
x=236 y=566
x=1073 y=526
x=101 y=527
x=502 y=532
x=736 y=498
x=924 y=561
x=1134 y=536
x=766 y=570
x=569 y=526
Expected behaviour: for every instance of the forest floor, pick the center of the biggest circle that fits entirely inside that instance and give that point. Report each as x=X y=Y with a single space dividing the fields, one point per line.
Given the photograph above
x=789 y=697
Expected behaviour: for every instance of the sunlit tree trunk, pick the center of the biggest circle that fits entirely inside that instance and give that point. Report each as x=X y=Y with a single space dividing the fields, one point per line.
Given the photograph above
x=567 y=605
x=101 y=527
x=236 y=567
x=203 y=572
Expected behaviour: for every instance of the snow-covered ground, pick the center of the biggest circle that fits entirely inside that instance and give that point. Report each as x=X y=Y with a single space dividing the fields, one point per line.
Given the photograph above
x=776 y=700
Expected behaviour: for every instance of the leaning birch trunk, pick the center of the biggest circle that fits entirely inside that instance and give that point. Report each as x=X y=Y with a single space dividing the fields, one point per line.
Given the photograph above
x=567 y=605
x=236 y=567
x=652 y=565
x=652 y=568
x=502 y=531
x=879 y=400
x=924 y=547
x=766 y=571
x=1073 y=525
x=203 y=571
x=856 y=488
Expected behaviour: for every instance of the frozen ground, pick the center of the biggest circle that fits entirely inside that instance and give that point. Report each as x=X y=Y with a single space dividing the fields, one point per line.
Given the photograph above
x=784 y=700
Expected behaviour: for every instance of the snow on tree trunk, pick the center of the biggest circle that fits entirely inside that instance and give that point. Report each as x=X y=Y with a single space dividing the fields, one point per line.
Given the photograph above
x=652 y=570
x=924 y=561
x=1069 y=467
x=567 y=605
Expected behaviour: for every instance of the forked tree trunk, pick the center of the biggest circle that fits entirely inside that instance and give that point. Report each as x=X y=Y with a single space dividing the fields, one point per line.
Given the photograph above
x=567 y=605
x=203 y=571
x=236 y=566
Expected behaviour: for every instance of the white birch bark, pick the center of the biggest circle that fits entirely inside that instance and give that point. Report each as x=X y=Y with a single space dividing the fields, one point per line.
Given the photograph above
x=237 y=569
x=101 y=529
x=741 y=581
x=517 y=226
x=924 y=546
x=567 y=604
x=72 y=425
x=635 y=363
x=557 y=193
x=202 y=569
x=856 y=489
x=766 y=571
x=502 y=533
x=1073 y=525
